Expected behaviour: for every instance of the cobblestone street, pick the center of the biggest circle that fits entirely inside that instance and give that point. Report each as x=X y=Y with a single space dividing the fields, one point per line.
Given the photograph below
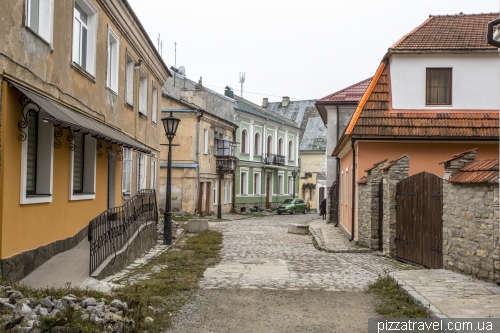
x=259 y=253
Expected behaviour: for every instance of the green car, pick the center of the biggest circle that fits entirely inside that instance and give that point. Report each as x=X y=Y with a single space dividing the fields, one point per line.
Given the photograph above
x=292 y=206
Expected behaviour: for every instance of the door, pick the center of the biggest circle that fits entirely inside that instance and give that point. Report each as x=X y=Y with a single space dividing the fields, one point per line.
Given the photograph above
x=334 y=203
x=111 y=180
x=419 y=220
x=200 y=199
x=208 y=189
x=321 y=194
x=268 y=191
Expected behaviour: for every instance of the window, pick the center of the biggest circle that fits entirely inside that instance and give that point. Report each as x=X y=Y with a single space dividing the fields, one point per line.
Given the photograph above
x=39 y=17
x=341 y=188
x=83 y=167
x=84 y=34
x=205 y=141
x=438 y=86
x=256 y=183
x=230 y=192
x=37 y=160
x=346 y=187
x=215 y=192
x=244 y=141
x=244 y=183
x=129 y=98
x=225 y=192
x=113 y=52
x=141 y=171
x=153 y=172
x=256 y=148
x=280 y=146
x=290 y=185
x=311 y=194
x=281 y=185
x=269 y=145
x=127 y=167
x=154 y=104
x=290 y=150
x=143 y=93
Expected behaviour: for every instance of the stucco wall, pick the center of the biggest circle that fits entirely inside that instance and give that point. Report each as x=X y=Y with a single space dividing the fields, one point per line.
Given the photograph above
x=474 y=85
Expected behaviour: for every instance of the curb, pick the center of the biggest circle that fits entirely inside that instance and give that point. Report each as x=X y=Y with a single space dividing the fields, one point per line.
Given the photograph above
x=322 y=246
x=419 y=299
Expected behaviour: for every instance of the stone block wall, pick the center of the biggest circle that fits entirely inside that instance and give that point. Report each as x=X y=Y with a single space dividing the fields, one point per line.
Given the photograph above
x=394 y=172
x=471 y=229
x=364 y=214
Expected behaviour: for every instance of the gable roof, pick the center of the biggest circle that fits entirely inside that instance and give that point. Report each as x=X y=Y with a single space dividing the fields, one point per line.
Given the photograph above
x=448 y=32
x=252 y=108
x=482 y=171
x=351 y=94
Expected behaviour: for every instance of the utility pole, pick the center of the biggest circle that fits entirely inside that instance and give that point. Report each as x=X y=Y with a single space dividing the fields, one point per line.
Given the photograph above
x=175 y=60
x=242 y=80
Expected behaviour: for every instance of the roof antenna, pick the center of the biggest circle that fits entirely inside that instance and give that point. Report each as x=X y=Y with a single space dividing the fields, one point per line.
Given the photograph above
x=175 y=60
x=242 y=80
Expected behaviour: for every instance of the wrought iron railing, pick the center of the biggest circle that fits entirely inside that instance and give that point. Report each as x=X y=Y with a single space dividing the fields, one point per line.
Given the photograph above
x=110 y=231
x=275 y=159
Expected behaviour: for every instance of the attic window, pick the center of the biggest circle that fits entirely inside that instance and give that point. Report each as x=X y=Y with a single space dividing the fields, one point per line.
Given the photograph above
x=438 y=91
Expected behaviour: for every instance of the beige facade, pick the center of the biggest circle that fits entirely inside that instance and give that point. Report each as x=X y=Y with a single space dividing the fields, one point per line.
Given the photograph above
x=312 y=183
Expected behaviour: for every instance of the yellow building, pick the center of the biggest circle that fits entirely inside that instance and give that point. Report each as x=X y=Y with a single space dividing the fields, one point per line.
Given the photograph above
x=80 y=105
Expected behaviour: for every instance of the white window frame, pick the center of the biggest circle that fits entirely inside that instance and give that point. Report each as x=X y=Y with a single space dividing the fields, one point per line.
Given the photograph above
x=244 y=185
x=258 y=184
x=205 y=141
x=89 y=171
x=143 y=93
x=45 y=26
x=152 y=177
x=129 y=80
x=347 y=187
x=225 y=192
x=154 y=102
x=341 y=188
x=290 y=185
x=113 y=56
x=259 y=144
x=127 y=163
x=141 y=183
x=45 y=151
x=214 y=191
x=290 y=151
x=230 y=192
x=244 y=144
x=281 y=184
x=91 y=26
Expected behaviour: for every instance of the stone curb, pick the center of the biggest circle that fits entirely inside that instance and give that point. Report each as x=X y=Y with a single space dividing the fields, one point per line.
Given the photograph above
x=421 y=300
x=326 y=249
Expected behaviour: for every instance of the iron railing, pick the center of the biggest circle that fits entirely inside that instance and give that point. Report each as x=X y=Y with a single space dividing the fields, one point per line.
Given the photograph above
x=275 y=159
x=110 y=231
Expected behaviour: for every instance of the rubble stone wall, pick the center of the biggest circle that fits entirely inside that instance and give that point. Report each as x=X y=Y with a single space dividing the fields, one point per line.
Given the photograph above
x=471 y=230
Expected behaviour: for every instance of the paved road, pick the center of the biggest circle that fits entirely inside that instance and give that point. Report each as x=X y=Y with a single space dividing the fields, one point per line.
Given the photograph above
x=272 y=281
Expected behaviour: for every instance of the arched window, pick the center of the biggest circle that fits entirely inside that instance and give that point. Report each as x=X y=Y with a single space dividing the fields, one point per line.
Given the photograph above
x=269 y=145
x=244 y=141
x=280 y=146
x=290 y=150
x=256 y=147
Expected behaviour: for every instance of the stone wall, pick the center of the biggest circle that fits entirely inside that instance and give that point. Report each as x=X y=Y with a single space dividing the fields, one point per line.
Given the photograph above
x=471 y=229
x=364 y=214
x=145 y=239
x=19 y=266
x=394 y=172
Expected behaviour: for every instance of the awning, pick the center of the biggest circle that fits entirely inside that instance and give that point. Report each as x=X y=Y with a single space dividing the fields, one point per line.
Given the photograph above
x=67 y=118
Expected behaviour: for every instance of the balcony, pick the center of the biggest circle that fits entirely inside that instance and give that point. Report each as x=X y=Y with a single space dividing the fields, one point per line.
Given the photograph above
x=274 y=159
x=224 y=153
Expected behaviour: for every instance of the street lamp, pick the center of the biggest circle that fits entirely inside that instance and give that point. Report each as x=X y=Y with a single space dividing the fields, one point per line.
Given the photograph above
x=170 y=123
x=220 y=165
x=294 y=174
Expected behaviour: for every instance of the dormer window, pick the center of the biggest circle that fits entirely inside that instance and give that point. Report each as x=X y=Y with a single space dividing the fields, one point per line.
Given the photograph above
x=438 y=90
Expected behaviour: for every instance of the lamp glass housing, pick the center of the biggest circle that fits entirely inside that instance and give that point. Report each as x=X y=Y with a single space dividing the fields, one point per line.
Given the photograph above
x=170 y=123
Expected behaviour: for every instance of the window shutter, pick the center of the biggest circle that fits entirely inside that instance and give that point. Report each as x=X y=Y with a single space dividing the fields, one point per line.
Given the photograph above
x=32 y=152
x=78 y=154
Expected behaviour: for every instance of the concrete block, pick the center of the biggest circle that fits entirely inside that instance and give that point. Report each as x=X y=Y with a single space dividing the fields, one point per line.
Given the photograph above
x=196 y=226
x=301 y=229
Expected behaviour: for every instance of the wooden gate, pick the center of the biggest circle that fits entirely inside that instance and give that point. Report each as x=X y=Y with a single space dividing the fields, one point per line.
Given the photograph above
x=419 y=220
x=334 y=203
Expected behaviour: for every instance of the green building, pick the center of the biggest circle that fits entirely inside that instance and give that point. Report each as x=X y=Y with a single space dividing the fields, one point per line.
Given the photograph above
x=268 y=153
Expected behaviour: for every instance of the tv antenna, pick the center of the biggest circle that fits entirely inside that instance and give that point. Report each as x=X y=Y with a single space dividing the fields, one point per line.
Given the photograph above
x=242 y=80
x=175 y=60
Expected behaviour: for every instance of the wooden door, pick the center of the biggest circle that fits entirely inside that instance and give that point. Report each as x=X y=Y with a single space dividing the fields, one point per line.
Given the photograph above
x=207 y=202
x=268 y=191
x=200 y=199
x=419 y=220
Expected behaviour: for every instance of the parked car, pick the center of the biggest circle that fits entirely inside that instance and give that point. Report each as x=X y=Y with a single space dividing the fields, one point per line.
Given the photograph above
x=292 y=206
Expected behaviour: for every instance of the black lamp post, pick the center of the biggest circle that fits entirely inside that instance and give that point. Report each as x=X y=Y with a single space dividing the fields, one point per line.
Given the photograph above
x=220 y=165
x=294 y=174
x=170 y=123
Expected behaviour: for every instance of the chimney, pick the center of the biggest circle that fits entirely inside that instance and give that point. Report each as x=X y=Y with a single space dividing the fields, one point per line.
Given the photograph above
x=285 y=102
x=186 y=95
x=265 y=102
x=229 y=92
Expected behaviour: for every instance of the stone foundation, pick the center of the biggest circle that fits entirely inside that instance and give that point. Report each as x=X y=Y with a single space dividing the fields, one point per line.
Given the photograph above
x=247 y=206
x=19 y=266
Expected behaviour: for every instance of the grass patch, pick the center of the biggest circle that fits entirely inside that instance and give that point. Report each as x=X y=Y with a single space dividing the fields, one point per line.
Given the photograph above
x=393 y=301
x=169 y=289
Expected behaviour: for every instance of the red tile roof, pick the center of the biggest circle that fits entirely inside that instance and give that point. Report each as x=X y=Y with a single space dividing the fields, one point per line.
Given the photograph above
x=482 y=171
x=363 y=180
x=391 y=163
x=375 y=165
x=352 y=94
x=449 y=32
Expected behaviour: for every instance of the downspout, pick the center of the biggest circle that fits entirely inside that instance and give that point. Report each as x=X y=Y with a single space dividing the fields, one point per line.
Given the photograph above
x=137 y=74
x=353 y=188
x=262 y=140
x=200 y=114
x=233 y=190
x=337 y=176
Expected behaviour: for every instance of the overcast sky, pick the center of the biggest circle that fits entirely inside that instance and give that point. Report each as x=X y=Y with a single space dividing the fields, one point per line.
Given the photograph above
x=301 y=49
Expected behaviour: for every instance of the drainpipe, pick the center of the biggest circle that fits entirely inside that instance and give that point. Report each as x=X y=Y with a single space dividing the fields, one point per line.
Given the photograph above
x=233 y=190
x=200 y=114
x=137 y=74
x=353 y=188
x=263 y=138
x=337 y=176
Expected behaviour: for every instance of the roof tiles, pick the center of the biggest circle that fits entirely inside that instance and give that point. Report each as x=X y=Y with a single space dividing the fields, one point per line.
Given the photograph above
x=449 y=32
x=482 y=171
x=351 y=94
